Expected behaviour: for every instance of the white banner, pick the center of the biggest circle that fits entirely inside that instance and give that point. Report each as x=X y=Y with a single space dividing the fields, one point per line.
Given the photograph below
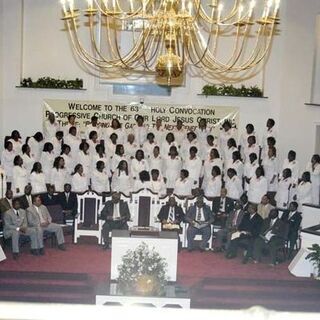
x=126 y=113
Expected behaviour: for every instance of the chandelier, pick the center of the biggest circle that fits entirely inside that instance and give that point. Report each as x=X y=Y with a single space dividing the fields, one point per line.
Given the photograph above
x=165 y=37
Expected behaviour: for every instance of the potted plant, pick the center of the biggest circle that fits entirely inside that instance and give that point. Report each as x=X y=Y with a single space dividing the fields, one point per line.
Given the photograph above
x=314 y=257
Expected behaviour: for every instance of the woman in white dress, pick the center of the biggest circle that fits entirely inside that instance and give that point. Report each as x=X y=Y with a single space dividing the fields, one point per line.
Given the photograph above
x=100 y=179
x=155 y=160
x=28 y=159
x=212 y=161
x=7 y=157
x=38 y=179
x=85 y=159
x=237 y=164
x=159 y=131
x=291 y=163
x=20 y=176
x=73 y=141
x=93 y=141
x=206 y=147
x=183 y=185
x=191 y=141
x=138 y=165
x=167 y=144
x=130 y=147
x=117 y=129
x=149 y=145
x=100 y=156
x=36 y=145
x=243 y=141
x=69 y=162
x=57 y=143
x=111 y=144
x=258 y=186
x=250 y=169
x=117 y=157
x=233 y=185
x=121 y=181
x=79 y=181
x=314 y=168
x=46 y=160
x=59 y=175
x=271 y=171
x=140 y=131
x=179 y=133
x=214 y=184
x=286 y=189
x=157 y=183
x=16 y=141
x=172 y=167
x=143 y=182
x=232 y=147
x=226 y=133
x=202 y=131
x=252 y=147
x=193 y=164
x=304 y=190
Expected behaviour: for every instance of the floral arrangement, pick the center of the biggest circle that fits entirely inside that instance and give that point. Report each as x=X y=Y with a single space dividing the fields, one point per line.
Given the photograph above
x=224 y=90
x=51 y=83
x=143 y=272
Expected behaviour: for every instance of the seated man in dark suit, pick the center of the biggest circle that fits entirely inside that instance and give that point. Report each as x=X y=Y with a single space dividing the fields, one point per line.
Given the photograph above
x=49 y=198
x=248 y=231
x=221 y=207
x=69 y=202
x=293 y=218
x=6 y=202
x=273 y=235
x=116 y=214
x=223 y=236
x=26 y=199
x=200 y=217
x=171 y=214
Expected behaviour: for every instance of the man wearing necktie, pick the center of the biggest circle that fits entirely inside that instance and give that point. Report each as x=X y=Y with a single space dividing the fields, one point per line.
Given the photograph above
x=171 y=213
x=200 y=217
x=116 y=215
x=273 y=235
x=26 y=199
x=16 y=225
x=221 y=207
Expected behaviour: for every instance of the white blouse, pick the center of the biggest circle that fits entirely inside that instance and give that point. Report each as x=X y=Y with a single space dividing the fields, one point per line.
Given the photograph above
x=194 y=167
x=213 y=187
x=258 y=187
x=20 y=178
x=58 y=178
x=234 y=188
x=138 y=166
x=271 y=169
x=28 y=162
x=100 y=181
x=79 y=183
x=183 y=188
x=46 y=161
x=38 y=182
x=172 y=169
x=7 y=163
x=121 y=183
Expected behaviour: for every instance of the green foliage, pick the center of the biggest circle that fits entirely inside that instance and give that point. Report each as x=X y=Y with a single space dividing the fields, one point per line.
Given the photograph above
x=314 y=256
x=230 y=90
x=51 y=83
x=142 y=262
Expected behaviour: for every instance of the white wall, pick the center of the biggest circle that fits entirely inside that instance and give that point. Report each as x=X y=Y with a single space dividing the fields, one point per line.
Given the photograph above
x=287 y=78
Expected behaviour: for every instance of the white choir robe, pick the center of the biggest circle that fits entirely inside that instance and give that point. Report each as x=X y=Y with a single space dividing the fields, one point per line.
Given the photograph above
x=110 y=148
x=28 y=162
x=130 y=150
x=67 y=128
x=69 y=164
x=223 y=139
x=268 y=133
x=73 y=142
x=194 y=167
x=185 y=148
x=207 y=169
x=213 y=187
x=159 y=134
x=92 y=146
x=239 y=167
x=252 y=149
x=172 y=169
x=35 y=148
x=234 y=188
x=228 y=156
x=38 y=182
x=165 y=147
x=7 y=158
x=121 y=134
x=202 y=135
x=156 y=163
x=179 y=136
x=17 y=145
x=137 y=167
x=20 y=179
x=3 y=182
x=46 y=161
x=56 y=146
x=95 y=158
x=58 y=178
x=148 y=148
x=138 y=185
x=89 y=128
x=114 y=161
x=183 y=188
x=159 y=187
x=100 y=181
x=258 y=187
x=140 y=134
x=271 y=169
x=50 y=129
x=294 y=167
x=79 y=183
x=315 y=181
x=85 y=160
x=249 y=171
x=304 y=194
x=205 y=150
x=243 y=141
x=121 y=183
x=285 y=193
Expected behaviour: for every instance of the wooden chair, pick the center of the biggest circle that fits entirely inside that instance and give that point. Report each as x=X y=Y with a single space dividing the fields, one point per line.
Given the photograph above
x=87 y=222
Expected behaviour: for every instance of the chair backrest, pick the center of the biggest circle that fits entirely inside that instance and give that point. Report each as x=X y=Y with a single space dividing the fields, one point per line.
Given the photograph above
x=89 y=207
x=56 y=213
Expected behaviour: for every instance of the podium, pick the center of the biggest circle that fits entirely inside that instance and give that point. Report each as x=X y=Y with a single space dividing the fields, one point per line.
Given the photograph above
x=299 y=266
x=164 y=242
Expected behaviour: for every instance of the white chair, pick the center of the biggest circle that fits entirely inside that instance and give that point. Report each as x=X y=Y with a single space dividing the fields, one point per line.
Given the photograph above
x=87 y=221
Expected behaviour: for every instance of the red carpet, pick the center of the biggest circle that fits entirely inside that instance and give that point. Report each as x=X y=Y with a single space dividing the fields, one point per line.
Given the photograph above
x=215 y=282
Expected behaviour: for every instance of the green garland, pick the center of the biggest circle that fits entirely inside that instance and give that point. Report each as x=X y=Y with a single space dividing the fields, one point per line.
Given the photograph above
x=224 y=90
x=51 y=83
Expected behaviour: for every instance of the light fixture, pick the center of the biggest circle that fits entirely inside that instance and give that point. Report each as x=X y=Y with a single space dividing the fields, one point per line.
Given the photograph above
x=168 y=36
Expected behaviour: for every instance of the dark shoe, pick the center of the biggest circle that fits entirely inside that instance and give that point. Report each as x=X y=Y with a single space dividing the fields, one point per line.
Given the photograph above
x=230 y=256
x=41 y=252
x=105 y=247
x=202 y=249
x=190 y=249
x=34 y=252
x=245 y=260
x=15 y=256
x=62 y=247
